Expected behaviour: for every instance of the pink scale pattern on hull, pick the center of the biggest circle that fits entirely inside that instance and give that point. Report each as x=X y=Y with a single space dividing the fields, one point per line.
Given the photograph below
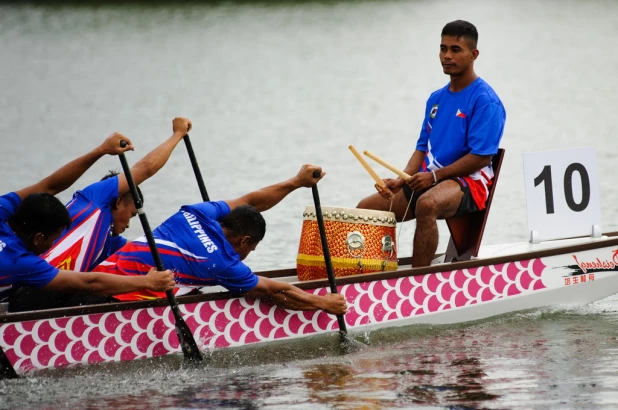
x=134 y=334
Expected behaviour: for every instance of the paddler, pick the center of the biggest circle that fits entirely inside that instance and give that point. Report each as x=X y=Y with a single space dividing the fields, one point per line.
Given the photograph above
x=32 y=218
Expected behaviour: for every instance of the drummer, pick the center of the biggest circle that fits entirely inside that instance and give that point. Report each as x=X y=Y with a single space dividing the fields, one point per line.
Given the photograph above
x=205 y=245
x=451 y=166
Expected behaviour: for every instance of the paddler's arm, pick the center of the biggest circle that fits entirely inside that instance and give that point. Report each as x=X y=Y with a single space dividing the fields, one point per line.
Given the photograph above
x=110 y=284
x=270 y=196
x=290 y=297
x=152 y=162
x=64 y=177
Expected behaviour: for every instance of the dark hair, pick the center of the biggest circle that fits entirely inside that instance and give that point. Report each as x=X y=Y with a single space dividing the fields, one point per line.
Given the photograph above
x=245 y=220
x=40 y=213
x=127 y=195
x=461 y=28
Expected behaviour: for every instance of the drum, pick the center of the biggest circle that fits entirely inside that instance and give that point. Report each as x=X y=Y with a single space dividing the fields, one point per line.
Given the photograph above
x=359 y=240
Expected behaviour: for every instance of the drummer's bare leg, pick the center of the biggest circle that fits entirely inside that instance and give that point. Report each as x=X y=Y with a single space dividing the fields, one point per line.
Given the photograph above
x=376 y=202
x=441 y=201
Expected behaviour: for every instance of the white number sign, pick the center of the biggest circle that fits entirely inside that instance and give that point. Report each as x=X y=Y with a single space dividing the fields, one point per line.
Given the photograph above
x=562 y=193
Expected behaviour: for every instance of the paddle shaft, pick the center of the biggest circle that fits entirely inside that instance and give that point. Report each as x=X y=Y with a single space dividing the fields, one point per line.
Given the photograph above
x=196 y=168
x=187 y=341
x=6 y=368
x=327 y=260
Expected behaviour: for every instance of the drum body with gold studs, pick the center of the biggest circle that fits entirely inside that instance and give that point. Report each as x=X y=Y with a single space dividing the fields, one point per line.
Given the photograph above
x=359 y=241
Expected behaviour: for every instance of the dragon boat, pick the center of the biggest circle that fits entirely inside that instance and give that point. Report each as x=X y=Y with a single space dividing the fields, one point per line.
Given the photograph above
x=504 y=278
x=467 y=282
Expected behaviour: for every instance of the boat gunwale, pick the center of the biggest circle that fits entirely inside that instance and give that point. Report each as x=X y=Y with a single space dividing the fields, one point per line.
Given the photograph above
x=610 y=240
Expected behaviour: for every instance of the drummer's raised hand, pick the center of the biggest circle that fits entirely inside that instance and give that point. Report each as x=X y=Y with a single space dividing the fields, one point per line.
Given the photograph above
x=305 y=176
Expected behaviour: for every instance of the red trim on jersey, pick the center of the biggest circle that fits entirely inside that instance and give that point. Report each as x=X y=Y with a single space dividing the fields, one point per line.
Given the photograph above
x=479 y=191
x=80 y=212
x=119 y=267
x=144 y=247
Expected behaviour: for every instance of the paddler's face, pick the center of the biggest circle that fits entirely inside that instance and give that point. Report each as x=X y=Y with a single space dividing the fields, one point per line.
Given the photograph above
x=122 y=212
x=245 y=247
x=456 y=55
x=42 y=242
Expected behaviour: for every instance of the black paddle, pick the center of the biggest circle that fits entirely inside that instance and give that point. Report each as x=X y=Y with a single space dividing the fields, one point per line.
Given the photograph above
x=343 y=330
x=6 y=368
x=187 y=341
x=196 y=169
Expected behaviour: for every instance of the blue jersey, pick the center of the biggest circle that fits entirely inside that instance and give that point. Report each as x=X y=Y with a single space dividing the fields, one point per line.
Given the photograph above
x=192 y=244
x=89 y=239
x=470 y=121
x=18 y=266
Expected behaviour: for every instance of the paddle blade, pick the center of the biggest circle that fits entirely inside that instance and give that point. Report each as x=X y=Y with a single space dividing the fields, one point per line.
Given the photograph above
x=185 y=336
x=6 y=368
x=187 y=341
x=347 y=344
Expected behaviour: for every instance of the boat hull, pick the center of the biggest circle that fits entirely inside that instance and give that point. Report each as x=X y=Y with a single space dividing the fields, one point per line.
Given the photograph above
x=459 y=292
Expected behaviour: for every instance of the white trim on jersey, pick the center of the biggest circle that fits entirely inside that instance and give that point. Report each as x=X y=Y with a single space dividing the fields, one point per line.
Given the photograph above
x=85 y=230
x=433 y=164
x=171 y=245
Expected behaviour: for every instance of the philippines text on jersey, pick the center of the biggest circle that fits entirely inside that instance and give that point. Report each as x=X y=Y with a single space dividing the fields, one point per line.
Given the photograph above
x=197 y=229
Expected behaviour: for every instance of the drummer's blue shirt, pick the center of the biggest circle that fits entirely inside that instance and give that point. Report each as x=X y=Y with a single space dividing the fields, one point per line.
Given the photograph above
x=470 y=121
x=192 y=244
x=18 y=266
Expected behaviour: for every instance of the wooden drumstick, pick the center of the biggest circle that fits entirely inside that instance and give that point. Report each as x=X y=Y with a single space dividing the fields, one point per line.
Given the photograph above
x=387 y=165
x=367 y=167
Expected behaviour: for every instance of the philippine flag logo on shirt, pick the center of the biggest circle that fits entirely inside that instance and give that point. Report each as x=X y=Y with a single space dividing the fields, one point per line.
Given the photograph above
x=434 y=111
x=460 y=114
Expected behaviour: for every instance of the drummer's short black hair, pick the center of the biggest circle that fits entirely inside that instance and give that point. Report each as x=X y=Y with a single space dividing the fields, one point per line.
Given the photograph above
x=462 y=28
x=245 y=220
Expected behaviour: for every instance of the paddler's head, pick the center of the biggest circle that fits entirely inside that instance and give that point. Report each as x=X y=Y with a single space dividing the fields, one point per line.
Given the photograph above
x=123 y=208
x=244 y=227
x=39 y=221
